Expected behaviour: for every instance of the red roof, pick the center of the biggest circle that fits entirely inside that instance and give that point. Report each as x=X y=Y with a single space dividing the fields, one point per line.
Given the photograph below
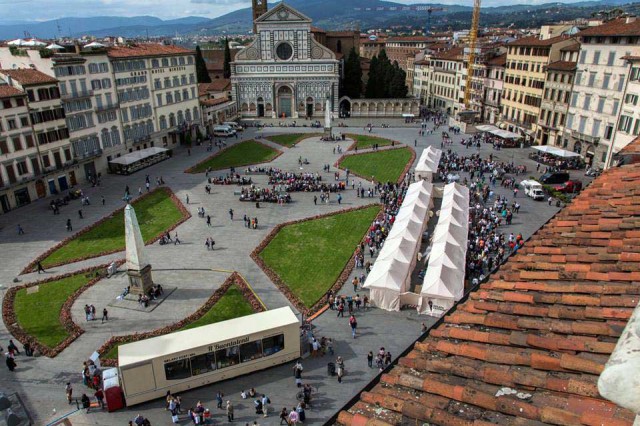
x=562 y=66
x=616 y=27
x=28 y=76
x=149 y=49
x=216 y=85
x=535 y=41
x=543 y=325
x=498 y=61
x=10 y=92
x=451 y=54
x=212 y=102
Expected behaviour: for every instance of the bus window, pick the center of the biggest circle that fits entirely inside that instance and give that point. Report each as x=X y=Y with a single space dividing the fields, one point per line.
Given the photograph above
x=271 y=345
x=201 y=364
x=228 y=357
x=177 y=370
x=250 y=351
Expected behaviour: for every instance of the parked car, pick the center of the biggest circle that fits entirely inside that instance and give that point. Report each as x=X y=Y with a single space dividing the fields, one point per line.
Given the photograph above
x=569 y=187
x=533 y=189
x=553 y=178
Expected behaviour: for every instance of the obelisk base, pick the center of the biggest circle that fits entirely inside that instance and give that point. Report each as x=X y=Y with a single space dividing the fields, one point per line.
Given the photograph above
x=327 y=133
x=140 y=281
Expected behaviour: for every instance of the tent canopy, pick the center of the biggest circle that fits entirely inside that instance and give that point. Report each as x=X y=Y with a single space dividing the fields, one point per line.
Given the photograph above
x=136 y=156
x=54 y=46
x=505 y=134
x=487 y=128
x=558 y=152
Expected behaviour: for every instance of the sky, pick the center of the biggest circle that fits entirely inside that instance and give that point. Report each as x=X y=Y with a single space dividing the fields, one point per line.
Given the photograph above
x=43 y=10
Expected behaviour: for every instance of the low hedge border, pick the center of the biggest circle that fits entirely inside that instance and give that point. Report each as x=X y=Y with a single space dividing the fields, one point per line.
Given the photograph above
x=66 y=318
x=32 y=267
x=192 y=169
x=234 y=278
x=279 y=282
x=300 y=138
x=352 y=136
x=402 y=175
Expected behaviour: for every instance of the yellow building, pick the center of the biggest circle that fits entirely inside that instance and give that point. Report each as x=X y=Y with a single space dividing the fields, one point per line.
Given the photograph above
x=524 y=80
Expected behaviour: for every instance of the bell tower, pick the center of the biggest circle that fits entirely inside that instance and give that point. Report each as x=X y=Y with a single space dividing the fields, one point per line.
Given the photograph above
x=259 y=9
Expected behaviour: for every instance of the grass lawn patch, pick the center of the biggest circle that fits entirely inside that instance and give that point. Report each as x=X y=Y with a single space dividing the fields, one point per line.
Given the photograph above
x=156 y=213
x=309 y=256
x=242 y=154
x=366 y=141
x=232 y=304
x=384 y=166
x=38 y=313
x=290 y=140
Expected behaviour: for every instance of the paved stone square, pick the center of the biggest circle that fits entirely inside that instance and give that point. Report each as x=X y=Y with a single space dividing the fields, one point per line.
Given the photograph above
x=197 y=272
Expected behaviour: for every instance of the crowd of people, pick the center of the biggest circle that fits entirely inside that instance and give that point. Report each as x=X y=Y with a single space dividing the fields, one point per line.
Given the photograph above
x=283 y=181
x=230 y=179
x=255 y=194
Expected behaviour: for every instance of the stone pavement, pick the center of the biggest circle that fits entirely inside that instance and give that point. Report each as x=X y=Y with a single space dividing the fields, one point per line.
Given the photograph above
x=190 y=267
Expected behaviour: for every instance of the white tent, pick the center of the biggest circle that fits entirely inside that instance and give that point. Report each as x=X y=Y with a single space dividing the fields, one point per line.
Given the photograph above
x=487 y=127
x=558 y=152
x=399 y=248
x=385 y=282
x=443 y=283
x=54 y=46
x=34 y=43
x=16 y=42
x=428 y=163
x=94 y=45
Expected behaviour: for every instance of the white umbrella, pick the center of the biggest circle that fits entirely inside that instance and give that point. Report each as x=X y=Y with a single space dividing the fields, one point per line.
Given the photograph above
x=16 y=42
x=94 y=45
x=54 y=46
x=34 y=43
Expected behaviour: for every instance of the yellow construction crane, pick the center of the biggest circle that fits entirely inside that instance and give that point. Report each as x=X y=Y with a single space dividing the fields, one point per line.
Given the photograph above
x=473 y=38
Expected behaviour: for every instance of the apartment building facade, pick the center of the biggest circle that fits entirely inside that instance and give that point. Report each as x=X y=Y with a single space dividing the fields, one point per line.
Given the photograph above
x=604 y=77
x=493 y=87
x=444 y=91
x=524 y=81
x=555 y=100
x=38 y=163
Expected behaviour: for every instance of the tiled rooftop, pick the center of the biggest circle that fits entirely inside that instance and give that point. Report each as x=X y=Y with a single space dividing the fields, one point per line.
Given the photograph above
x=216 y=85
x=150 y=49
x=500 y=60
x=535 y=41
x=28 y=76
x=562 y=66
x=9 y=92
x=616 y=27
x=526 y=347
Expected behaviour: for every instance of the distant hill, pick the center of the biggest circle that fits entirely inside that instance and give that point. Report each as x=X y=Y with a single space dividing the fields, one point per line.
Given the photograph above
x=327 y=14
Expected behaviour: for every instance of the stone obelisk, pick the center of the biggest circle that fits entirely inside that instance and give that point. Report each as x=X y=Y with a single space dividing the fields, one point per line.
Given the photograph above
x=138 y=268
x=327 y=119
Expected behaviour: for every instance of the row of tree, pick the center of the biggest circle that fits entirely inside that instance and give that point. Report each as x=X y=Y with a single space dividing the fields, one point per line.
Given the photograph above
x=386 y=79
x=201 y=66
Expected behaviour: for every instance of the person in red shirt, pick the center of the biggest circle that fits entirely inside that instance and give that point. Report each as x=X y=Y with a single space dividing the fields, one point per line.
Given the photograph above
x=100 y=397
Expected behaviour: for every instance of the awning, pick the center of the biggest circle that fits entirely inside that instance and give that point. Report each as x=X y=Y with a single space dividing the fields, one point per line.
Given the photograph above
x=505 y=134
x=408 y=115
x=558 y=152
x=486 y=127
x=136 y=156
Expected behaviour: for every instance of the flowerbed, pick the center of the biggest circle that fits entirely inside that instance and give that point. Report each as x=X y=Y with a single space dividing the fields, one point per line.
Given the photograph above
x=366 y=141
x=250 y=157
x=32 y=267
x=66 y=319
x=281 y=284
x=234 y=279
x=407 y=167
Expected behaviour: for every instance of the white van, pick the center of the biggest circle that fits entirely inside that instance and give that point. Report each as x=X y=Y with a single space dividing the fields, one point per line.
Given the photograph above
x=235 y=126
x=224 y=131
x=532 y=189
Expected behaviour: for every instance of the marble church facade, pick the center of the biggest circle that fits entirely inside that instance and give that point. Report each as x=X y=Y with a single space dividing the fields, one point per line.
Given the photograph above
x=284 y=72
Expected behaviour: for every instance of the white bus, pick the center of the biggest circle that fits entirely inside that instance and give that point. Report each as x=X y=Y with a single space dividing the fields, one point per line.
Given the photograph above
x=224 y=131
x=203 y=355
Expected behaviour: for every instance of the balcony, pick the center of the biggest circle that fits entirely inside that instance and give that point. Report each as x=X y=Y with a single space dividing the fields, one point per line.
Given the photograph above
x=87 y=155
x=585 y=138
x=77 y=95
x=517 y=123
x=103 y=108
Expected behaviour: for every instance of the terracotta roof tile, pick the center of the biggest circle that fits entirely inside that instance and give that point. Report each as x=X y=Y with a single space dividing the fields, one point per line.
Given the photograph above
x=10 y=92
x=148 y=49
x=543 y=325
x=562 y=66
x=536 y=41
x=619 y=27
x=28 y=76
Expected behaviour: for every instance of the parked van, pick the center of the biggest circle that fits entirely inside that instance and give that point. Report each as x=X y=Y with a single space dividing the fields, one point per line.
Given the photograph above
x=224 y=131
x=552 y=178
x=532 y=189
x=235 y=126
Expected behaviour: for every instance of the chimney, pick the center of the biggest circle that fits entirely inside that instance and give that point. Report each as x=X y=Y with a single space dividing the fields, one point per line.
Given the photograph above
x=9 y=80
x=630 y=19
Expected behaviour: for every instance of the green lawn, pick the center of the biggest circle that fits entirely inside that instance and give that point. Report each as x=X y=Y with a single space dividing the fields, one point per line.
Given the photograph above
x=155 y=212
x=38 y=313
x=231 y=305
x=242 y=154
x=309 y=256
x=384 y=166
x=290 y=140
x=365 y=141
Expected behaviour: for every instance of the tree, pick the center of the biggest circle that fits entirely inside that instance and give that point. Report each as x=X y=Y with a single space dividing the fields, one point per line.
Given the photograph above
x=374 y=79
x=226 y=73
x=201 y=67
x=353 y=75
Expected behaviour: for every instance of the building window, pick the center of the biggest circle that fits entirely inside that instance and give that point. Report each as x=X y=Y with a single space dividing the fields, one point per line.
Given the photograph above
x=625 y=123
x=608 y=131
x=22 y=167
x=596 y=57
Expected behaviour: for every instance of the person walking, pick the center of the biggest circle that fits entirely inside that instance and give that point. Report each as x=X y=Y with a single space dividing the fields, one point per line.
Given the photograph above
x=68 y=390
x=40 y=268
x=340 y=368
x=176 y=240
x=229 y=411
x=219 y=396
x=370 y=359
x=354 y=325
x=100 y=398
x=105 y=315
x=265 y=405
x=209 y=221
x=103 y=200
x=70 y=228
x=187 y=197
x=20 y=230
x=297 y=373
x=231 y=214
x=284 y=416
